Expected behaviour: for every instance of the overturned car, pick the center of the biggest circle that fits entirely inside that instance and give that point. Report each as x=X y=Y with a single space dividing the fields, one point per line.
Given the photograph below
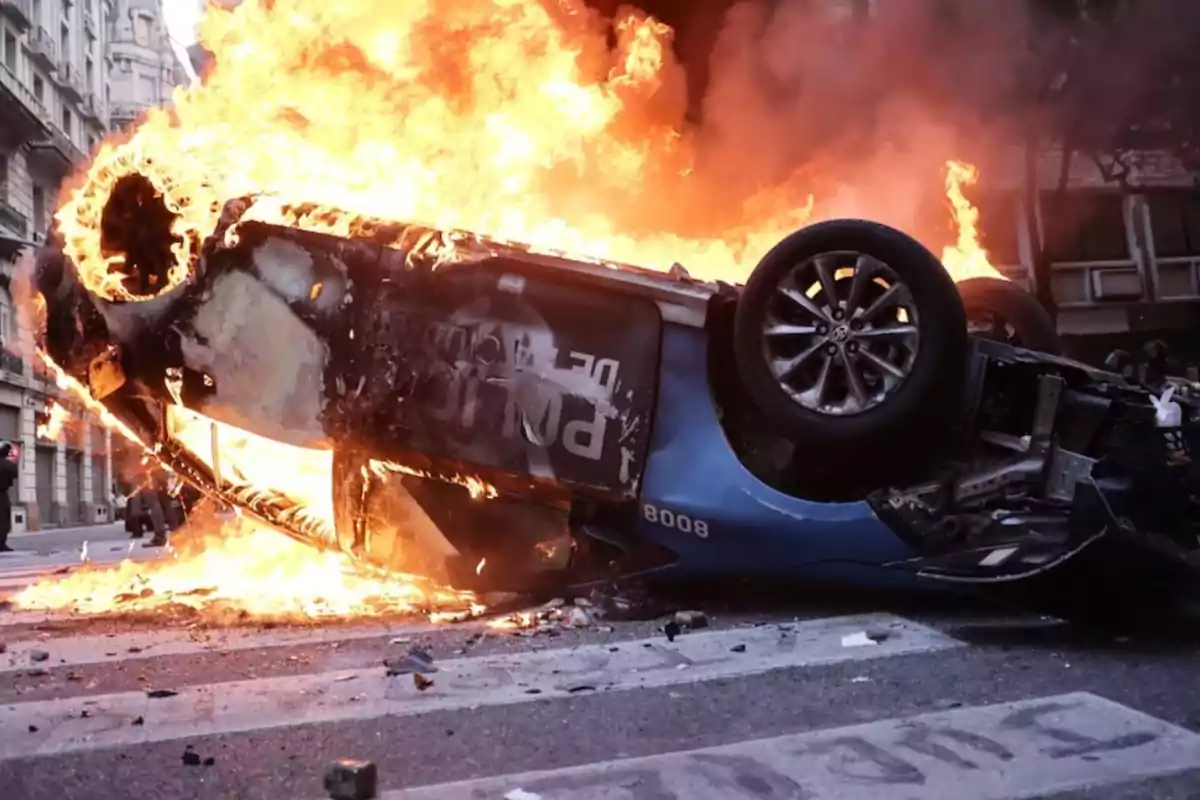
x=510 y=419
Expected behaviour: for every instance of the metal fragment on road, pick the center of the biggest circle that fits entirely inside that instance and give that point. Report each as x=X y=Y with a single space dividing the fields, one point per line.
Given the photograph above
x=691 y=619
x=352 y=780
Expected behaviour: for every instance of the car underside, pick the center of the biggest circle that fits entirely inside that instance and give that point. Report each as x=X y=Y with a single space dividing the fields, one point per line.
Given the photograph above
x=474 y=402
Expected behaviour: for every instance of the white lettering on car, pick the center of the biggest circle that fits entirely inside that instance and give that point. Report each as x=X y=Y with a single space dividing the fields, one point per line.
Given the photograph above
x=674 y=520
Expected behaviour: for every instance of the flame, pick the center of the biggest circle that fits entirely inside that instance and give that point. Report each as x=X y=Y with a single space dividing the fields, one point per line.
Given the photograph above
x=476 y=487
x=245 y=463
x=491 y=116
x=57 y=417
x=242 y=568
x=966 y=258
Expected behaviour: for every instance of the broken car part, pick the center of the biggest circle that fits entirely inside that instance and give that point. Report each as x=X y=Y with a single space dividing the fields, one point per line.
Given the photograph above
x=528 y=422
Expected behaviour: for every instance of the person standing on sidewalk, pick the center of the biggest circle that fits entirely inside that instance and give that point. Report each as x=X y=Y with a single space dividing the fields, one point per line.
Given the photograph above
x=8 y=477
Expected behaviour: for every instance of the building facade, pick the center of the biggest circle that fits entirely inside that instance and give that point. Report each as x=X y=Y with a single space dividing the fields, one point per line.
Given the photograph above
x=145 y=69
x=61 y=89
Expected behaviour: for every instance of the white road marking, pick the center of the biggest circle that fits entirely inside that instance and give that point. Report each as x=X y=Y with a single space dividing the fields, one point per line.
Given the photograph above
x=113 y=648
x=17 y=576
x=1001 y=752
x=459 y=683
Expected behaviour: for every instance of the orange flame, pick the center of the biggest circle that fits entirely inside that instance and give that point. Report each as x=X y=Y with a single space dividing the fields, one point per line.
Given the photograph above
x=57 y=417
x=966 y=258
x=242 y=568
x=485 y=116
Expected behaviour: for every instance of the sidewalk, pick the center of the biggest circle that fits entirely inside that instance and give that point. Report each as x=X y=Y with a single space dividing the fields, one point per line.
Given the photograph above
x=48 y=541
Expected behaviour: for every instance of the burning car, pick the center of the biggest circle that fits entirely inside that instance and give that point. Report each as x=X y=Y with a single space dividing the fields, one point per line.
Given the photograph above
x=433 y=401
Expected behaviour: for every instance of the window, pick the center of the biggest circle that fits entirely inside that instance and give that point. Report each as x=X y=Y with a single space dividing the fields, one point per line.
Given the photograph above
x=64 y=43
x=1175 y=224
x=37 y=12
x=67 y=121
x=141 y=30
x=39 y=210
x=3 y=177
x=10 y=52
x=998 y=224
x=89 y=72
x=39 y=88
x=6 y=321
x=1084 y=226
x=147 y=91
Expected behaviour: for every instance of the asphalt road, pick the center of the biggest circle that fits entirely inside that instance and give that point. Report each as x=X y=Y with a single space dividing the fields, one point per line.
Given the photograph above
x=797 y=697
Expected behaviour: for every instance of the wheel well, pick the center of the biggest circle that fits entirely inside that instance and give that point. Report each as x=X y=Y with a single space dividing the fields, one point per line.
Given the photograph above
x=771 y=457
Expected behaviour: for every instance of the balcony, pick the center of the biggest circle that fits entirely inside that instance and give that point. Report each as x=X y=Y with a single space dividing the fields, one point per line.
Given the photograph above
x=57 y=152
x=89 y=24
x=10 y=218
x=124 y=113
x=18 y=12
x=70 y=81
x=42 y=49
x=20 y=110
x=11 y=363
x=89 y=106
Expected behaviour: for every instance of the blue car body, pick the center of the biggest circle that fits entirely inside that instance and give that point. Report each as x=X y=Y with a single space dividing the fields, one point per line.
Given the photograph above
x=752 y=529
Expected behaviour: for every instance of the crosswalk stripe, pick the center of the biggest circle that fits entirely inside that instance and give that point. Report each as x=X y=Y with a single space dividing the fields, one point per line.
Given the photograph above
x=114 y=648
x=18 y=577
x=1029 y=748
x=55 y=726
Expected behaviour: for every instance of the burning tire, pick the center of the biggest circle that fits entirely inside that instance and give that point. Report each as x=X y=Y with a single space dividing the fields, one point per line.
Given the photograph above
x=852 y=339
x=1000 y=310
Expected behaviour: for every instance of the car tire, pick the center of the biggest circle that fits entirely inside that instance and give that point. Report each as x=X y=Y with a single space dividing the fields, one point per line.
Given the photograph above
x=1009 y=313
x=918 y=413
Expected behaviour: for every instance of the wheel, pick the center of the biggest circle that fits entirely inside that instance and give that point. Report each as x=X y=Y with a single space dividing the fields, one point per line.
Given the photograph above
x=1001 y=310
x=851 y=339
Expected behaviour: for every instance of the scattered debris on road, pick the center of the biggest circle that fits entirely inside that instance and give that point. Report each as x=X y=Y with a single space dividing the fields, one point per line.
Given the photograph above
x=859 y=639
x=192 y=759
x=691 y=619
x=521 y=794
x=672 y=629
x=38 y=656
x=416 y=660
x=738 y=648
x=421 y=682
x=878 y=634
x=159 y=694
x=138 y=721
x=352 y=780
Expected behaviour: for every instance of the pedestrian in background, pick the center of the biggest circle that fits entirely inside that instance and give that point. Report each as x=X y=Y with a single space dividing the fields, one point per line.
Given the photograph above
x=8 y=478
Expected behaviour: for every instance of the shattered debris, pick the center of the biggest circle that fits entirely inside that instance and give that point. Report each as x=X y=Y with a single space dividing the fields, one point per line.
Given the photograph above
x=352 y=780
x=521 y=794
x=878 y=634
x=859 y=639
x=416 y=660
x=192 y=759
x=738 y=648
x=159 y=694
x=578 y=618
x=38 y=656
x=691 y=619
x=421 y=682
x=672 y=629
x=138 y=721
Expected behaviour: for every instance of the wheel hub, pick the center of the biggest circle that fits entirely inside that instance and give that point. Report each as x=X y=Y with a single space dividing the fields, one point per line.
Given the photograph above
x=842 y=333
